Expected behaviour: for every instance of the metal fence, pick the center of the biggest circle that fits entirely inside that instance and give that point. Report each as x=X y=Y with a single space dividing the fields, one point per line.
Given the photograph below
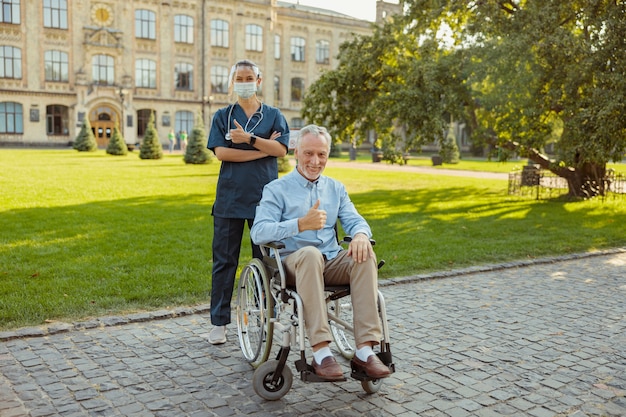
x=543 y=184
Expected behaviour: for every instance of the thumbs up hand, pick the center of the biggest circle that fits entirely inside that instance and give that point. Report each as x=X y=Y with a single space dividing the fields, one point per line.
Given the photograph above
x=314 y=219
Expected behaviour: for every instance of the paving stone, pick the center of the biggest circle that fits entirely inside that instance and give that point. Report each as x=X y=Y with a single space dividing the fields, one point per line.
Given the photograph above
x=496 y=340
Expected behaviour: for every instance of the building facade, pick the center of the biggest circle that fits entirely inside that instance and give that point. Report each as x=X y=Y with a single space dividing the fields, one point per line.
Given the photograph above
x=116 y=62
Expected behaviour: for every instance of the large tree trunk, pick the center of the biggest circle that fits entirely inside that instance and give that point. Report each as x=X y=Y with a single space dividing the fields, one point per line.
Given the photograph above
x=586 y=180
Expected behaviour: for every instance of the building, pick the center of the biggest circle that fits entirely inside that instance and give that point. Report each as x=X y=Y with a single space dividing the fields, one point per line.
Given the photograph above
x=114 y=61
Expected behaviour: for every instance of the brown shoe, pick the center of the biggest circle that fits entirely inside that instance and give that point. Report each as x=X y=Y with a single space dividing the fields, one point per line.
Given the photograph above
x=373 y=368
x=329 y=369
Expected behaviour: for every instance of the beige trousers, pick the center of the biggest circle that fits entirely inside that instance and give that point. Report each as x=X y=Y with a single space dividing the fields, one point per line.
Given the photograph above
x=309 y=271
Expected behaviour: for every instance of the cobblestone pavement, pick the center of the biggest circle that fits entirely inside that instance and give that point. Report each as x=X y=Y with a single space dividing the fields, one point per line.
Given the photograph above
x=538 y=339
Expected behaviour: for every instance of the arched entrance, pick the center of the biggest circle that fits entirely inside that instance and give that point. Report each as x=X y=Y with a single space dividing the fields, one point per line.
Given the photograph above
x=103 y=120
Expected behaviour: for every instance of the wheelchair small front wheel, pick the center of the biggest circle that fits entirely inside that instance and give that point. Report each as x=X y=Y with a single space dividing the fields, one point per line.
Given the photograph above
x=263 y=385
x=371 y=386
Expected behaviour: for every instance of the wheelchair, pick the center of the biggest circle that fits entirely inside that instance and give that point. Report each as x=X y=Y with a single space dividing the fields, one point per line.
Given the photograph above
x=267 y=310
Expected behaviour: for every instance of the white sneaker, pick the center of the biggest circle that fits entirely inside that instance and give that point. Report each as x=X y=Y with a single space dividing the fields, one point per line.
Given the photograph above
x=217 y=335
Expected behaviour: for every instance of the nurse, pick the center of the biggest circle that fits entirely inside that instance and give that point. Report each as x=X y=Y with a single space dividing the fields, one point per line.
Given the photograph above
x=247 y=137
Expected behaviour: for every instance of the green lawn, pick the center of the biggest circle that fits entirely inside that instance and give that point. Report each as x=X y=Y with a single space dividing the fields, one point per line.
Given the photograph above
x=89 y=234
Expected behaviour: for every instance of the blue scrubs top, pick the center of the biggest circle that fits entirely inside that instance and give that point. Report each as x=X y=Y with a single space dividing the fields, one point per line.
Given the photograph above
x=240 y=184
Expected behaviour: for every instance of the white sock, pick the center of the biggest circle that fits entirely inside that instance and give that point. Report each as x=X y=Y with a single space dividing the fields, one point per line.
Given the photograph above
x=321 y=354
x=364 y=353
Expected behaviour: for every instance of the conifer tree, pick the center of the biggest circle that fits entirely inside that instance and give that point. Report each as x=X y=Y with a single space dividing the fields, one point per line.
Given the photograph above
x=151 y=147
x=117 y=145
x=449 y=149
x=197 y=152
x=85 y=140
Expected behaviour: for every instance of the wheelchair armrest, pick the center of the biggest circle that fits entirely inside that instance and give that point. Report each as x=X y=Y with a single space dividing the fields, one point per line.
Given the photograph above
x=348 y=239
x=274 y=245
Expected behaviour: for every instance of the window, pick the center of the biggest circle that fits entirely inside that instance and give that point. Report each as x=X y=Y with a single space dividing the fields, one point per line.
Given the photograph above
x=322 y=52
x=184 y=76
x=254 y=38
x=296 y=123
x=10 y=62
x=219 y=33
x=57 y=120
x=297 y=49
x=10 y=11
x=145 y=73
x=297 y=88
x=143 y=116
x=55 y=14
x=56 y=66
x=183 y=28
x=103 y=72
x=184 y=121
x=276 y=46
x=219 y=79
x=145 y=24
x=11 y=117
x=276 y=87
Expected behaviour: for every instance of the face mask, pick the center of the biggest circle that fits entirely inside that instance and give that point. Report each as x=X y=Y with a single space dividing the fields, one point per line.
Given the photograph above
x=245 y=90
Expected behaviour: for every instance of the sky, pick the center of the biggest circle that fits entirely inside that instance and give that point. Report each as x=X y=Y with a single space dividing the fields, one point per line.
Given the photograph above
x=361 y=9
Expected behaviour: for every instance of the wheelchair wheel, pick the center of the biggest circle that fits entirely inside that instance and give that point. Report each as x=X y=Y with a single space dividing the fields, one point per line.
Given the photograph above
x=262 y=381
x=254 y=310
x=342 y=309
x=371 y=387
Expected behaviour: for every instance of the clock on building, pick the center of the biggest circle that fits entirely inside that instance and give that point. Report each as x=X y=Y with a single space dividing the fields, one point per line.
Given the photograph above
x=101 y=14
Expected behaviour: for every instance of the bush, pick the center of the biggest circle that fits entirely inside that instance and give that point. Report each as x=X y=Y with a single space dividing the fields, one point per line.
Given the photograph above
x=151 y=147
x=197 y=152
x=117 y=145
x=283 y=164
x=85 y=141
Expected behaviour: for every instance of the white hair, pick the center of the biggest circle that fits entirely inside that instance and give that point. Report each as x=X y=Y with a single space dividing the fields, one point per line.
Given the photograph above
x=315 y=130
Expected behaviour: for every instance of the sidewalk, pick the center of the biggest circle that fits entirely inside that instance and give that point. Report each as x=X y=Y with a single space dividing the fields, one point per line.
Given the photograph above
x=546 y=338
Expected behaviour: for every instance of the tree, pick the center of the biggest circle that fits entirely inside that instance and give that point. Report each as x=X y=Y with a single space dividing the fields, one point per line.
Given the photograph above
x=85 y=140
x=449 y=151
x=151 y=147
x=521 y=74
x=197 y=152
x=117 y=144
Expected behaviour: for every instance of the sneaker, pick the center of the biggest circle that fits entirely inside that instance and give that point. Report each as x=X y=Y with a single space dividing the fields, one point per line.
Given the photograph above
x=217 y=335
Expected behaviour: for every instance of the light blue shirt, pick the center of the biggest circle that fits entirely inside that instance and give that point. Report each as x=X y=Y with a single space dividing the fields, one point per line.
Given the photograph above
x=290 y=197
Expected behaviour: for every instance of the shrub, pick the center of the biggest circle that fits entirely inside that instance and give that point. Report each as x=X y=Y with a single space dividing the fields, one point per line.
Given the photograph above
x=85 y=140
x=117 y=145
x=197 y=152
x=151 y=147
x=283 y=164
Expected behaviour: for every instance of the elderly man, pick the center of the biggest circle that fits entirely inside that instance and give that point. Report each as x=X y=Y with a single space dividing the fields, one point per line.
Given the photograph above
x=301 y=209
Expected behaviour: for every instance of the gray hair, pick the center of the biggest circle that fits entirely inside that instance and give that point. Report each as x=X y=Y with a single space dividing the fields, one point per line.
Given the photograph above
x=315 y=130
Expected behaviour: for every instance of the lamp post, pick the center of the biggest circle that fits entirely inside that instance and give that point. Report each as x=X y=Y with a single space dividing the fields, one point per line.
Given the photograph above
x=122 y=92
x=206 y=100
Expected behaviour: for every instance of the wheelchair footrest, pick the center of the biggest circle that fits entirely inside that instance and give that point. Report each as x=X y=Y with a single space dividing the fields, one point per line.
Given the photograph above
x=307 y=373
x=385 y=357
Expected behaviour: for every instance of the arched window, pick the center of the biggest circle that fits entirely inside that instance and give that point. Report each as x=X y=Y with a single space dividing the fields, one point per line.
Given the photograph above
x=322 y=52
x=10 y=62
x=143 y=116
x=297 y=89
x=297 y=49
x=145 y=24
x=102 y=69
x=183 y=28
x=219 y=33
x=184 y=121
x=219 y=79
x=11 y=117
x=254 y=38
x=184 y=76
x=56 y=66
x=57 y=120
x=145 y=73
